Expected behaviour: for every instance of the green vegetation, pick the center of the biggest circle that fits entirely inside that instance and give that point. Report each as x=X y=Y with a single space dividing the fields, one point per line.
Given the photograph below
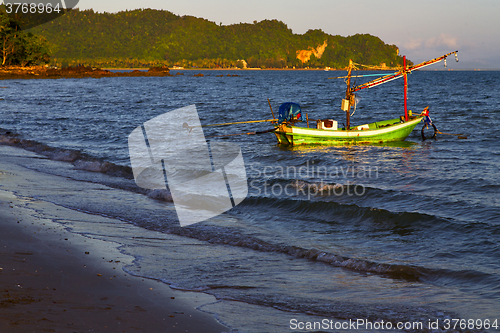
x=145 y=38
x=18 y=47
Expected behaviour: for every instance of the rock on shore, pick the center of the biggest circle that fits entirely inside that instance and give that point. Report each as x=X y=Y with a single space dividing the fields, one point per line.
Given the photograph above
x=41 y=72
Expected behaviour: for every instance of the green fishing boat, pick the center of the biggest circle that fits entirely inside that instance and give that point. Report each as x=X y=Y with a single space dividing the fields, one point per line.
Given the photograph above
x=327 y=131
x=382 y=131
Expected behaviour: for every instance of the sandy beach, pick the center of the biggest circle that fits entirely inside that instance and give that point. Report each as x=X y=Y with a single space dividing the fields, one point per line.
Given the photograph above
x=53 y=280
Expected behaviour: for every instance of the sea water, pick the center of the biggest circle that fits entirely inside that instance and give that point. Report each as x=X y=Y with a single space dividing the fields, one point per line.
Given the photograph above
x=405 y=232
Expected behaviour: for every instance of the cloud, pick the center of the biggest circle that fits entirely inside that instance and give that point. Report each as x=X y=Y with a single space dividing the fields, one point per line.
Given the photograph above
x=413 y=44
x=442 y=40
x=437 y=42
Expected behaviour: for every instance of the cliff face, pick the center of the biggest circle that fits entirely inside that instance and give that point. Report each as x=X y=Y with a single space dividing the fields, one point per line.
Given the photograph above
x=305 y=55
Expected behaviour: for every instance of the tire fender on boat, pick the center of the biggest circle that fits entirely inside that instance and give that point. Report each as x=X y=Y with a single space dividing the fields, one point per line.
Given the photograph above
x=433 y=135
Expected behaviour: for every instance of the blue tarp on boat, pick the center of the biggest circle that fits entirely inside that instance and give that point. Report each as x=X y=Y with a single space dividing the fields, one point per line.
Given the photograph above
x=289 y=111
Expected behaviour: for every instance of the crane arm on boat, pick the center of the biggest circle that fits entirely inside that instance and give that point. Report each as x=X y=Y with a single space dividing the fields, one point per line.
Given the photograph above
x=397 y=75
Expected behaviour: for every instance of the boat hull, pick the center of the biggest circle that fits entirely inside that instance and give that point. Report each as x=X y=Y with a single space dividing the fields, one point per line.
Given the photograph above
x=386 y=131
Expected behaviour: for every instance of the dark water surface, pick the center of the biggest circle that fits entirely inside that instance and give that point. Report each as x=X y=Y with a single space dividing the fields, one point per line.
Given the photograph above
x=406 y=231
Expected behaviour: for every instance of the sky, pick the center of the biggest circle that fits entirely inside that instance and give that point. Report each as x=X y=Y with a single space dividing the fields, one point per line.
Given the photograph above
x=423 y=29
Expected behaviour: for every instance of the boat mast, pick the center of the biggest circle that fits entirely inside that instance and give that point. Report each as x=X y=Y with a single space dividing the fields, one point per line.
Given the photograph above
x=405 y=74
x=346 y=103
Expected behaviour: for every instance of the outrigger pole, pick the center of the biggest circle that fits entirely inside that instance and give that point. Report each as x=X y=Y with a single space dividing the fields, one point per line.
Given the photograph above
x=241 y=122
x=185 y=125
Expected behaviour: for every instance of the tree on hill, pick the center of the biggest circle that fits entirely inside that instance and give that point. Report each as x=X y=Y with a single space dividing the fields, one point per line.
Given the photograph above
x=18 y=47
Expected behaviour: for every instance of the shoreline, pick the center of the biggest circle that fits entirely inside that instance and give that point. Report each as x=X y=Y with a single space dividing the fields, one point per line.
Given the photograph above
x=42 y=72
x=52 y=279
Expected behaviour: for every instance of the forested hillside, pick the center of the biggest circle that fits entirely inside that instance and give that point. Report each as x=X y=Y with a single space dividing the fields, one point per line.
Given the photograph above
x=20 y=48
x=141 y=38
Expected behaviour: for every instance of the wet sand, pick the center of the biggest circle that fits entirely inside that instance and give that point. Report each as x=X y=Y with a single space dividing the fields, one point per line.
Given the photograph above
x=53 y=280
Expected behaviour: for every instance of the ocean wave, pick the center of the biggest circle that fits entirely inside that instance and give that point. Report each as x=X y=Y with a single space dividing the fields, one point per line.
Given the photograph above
x=323 y=208
x=230 y=237
x=81 y=161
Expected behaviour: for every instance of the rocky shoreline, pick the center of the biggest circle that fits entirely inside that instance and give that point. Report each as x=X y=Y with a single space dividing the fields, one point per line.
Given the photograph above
x=41 y=72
